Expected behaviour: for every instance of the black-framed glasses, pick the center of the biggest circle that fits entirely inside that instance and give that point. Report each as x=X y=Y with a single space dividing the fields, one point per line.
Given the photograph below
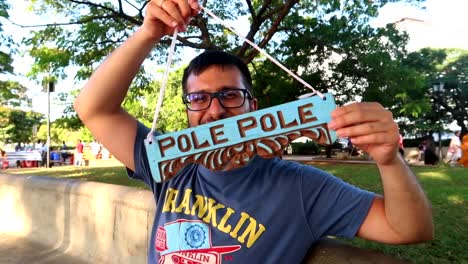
x=228 y=98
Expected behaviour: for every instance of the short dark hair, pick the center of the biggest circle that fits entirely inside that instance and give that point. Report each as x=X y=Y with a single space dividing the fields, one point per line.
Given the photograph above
x=218 y=58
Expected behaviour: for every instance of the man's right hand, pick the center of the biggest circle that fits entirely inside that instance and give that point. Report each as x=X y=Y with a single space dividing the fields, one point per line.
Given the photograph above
x=99 y=103
x=163 y=16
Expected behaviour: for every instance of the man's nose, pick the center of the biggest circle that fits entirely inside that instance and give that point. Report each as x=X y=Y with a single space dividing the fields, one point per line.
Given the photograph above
x=216 y=110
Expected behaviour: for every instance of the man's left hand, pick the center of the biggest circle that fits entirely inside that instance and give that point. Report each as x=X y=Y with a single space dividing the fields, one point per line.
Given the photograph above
x=370 y=127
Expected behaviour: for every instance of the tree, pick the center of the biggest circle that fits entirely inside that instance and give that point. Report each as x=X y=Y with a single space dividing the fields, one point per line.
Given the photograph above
x=91 y=29
x=172 y=115
x=59 y=134
x=454 y=101
x=12 y=93
x=17 y=125
x=330 y=43
x=5 y=42
x=336 y=50
x=419 y=118
x=428 y=109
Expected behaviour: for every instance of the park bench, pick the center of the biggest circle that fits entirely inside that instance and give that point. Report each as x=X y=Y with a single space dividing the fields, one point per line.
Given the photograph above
x=23 y=159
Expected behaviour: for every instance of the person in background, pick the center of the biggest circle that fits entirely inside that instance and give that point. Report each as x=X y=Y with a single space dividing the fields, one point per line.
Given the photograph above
x=430 y=156
x=38 y=145
x=18 y=147
x=95 y=149
x=422 y=149
x=464 y=147
x=4 y=163
x=401 y=147
x=63 y=152
x=78 y=158
x=43 y=151
x=454 y=152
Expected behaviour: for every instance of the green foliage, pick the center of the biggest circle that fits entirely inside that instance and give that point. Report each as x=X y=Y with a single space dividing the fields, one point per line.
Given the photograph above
x=5 y=42
x=13 y=94
x=50 y=58
x=5 y=63
x=92 y=29
x=335 y=49
x=59 y=134
x=426 y=110
x=172 y=116
x=85 y=135
x=454 y=101
x=17 y=125
x=329 y=43
x=446 y=188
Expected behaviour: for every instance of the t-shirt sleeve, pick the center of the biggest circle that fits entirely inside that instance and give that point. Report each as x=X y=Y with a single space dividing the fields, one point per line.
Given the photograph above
x=333 y=207
x=142 y=169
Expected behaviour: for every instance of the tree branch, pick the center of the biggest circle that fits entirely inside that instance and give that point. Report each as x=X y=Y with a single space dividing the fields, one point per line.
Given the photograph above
x=254 y=27
x=274 y=27
x=120 y=13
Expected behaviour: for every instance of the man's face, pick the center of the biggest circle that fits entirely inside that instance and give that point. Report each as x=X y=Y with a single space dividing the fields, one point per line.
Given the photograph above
x=215 y=79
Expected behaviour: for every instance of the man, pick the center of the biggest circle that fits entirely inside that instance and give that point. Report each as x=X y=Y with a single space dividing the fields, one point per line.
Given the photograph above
x=454 y=151
x=78 y=159
x=269 y=211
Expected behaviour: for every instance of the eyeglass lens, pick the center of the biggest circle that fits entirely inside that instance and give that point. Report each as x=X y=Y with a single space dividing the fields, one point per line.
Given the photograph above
x=230 y=98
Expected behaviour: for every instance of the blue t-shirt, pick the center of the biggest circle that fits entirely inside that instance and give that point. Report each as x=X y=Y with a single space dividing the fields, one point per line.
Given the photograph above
x=270 y=211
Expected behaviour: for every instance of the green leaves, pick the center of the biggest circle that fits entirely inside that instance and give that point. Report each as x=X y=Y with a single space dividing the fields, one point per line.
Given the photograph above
x=5 y=42
x=329 y=43
x=17 y=125
x=13 y=94
x=142 y=104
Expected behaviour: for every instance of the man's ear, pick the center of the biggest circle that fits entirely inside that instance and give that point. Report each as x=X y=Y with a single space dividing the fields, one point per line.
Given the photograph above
x=253 y=104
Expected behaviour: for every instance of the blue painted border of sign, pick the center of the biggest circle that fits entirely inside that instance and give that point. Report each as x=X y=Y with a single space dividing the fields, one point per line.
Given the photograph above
x=273 y=121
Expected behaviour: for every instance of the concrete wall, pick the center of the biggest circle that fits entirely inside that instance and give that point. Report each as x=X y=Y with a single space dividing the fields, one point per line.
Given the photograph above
x=101 y=223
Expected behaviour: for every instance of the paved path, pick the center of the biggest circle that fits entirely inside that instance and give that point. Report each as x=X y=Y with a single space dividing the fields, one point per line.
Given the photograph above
x=322 y=159
x=14 y=250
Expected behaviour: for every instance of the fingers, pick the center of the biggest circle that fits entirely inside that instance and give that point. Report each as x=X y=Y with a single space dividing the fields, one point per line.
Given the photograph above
x=156 y=12
x=173 y=13
x=177 y=10
x=195 y=7
x=365 y=123
x=357 y=113
x=366 y=128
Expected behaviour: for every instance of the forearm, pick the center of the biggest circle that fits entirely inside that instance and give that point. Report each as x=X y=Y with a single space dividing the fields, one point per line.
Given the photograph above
x=108 y=86
x=407 y=209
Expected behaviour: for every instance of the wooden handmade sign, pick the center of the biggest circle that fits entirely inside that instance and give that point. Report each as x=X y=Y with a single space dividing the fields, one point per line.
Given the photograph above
x=237 y=139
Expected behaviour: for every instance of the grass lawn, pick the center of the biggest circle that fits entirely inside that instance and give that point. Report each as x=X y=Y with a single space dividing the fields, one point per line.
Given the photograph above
x=446 y=187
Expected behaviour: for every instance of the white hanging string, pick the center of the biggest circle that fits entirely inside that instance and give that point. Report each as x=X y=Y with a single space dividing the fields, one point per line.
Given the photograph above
x=163 y=84
x=219 y=20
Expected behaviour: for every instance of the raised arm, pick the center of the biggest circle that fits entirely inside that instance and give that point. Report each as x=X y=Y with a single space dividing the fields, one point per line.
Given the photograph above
x=403 y=214
x=99 y=103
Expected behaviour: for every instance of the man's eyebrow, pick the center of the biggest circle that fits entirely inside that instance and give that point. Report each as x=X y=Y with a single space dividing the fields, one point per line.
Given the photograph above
x=223 y=88
x=230 y=87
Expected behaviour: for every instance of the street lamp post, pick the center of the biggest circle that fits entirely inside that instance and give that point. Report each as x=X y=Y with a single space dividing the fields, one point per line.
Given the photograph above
x=49 y=87
x=439 y=89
